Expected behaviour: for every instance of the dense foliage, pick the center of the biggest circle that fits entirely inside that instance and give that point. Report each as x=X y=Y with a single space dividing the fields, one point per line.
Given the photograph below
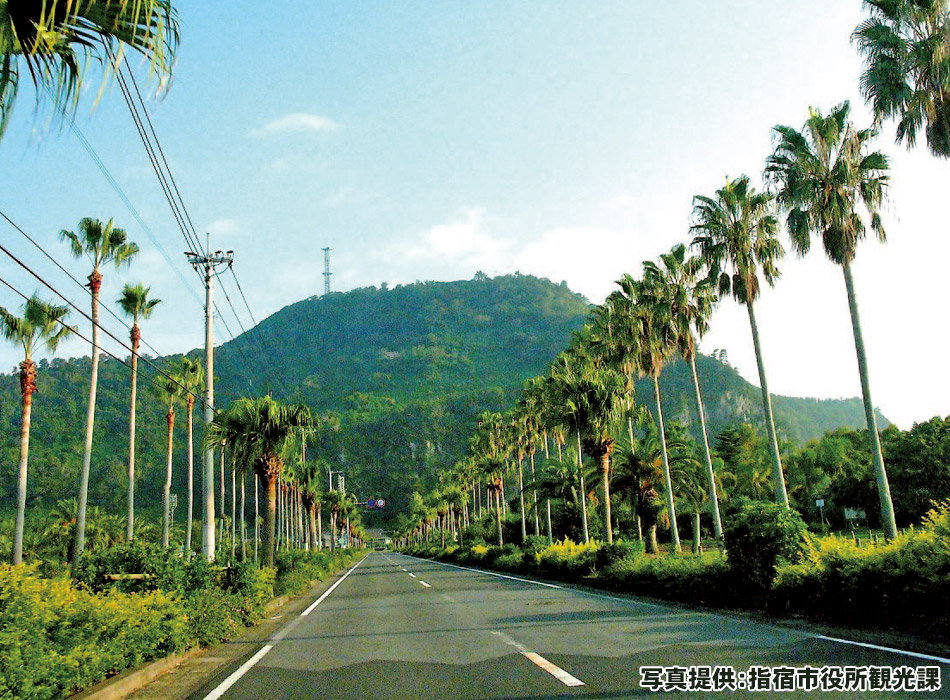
x=58 y=635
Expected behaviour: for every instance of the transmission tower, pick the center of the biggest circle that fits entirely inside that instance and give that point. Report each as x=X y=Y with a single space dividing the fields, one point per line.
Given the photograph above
x=326 y=271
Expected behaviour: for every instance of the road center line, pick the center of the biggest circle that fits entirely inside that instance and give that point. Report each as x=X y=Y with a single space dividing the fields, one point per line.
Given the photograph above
x=556 y=671
x=413 y=575
x=539 y=661
x=425 y=584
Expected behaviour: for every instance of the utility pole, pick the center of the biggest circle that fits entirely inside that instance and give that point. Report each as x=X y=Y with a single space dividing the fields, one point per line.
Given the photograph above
x=207 y=263
x=326 y=271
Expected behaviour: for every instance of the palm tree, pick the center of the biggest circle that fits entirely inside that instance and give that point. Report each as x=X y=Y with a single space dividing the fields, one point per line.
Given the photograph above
x=263 y=428
x=650 y=336
x=54 y=40
x=137 y=306
x=905 y=45
x=737 y=234
x=191 y=374
x=824 y=173
x=41 y=323
x=102 y=244
x=687 y=301
x=169 y=390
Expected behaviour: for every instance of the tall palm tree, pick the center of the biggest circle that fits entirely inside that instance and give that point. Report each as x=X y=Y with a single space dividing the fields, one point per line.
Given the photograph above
x=191 y=374
x=102 y=244
x=263 y=428
x=905 y=45
x=137 y=306
x=169 y=390
x=825 y=173
x=41 y=322
x=737 y=234
x=55 y=39
x=647 y=325
x=687 y=299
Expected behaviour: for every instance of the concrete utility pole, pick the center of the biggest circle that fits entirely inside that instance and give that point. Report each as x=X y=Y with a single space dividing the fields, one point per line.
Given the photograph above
x=207 y=263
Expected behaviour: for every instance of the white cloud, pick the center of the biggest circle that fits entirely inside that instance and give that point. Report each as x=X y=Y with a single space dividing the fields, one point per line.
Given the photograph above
x=224 y=227
x=298 y=122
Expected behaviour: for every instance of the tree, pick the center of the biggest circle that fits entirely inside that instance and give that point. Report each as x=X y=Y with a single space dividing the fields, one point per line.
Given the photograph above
x=55 y=39
x=262 y=428
x=905 y=45
x=137 y=306
x=689 y=301
x=737 y=234
x=648 y=325
x=169 y=390
x=102 y=244
x=824 y=173
x=41 y=322
x=191 y=374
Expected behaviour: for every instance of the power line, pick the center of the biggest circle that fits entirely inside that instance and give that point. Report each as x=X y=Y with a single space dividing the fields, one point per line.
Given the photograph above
x=84 y=287
x=88 y=318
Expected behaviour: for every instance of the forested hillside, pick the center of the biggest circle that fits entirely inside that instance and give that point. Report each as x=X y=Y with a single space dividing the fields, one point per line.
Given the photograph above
x=406 y=369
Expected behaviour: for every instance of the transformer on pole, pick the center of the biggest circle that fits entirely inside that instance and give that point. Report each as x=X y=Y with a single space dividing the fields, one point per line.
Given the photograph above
x=206 y=264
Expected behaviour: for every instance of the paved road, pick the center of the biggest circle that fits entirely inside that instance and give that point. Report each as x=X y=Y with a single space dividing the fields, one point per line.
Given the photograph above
x=398 y=627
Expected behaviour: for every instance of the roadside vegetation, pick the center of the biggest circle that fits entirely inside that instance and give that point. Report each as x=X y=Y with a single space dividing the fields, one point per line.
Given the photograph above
x=771 y=564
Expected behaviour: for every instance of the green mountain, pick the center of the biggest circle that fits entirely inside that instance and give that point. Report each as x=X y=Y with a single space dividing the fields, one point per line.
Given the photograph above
x=408 y=369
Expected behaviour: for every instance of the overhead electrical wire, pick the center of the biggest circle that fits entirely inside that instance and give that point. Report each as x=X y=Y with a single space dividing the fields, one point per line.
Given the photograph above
x=85 y=315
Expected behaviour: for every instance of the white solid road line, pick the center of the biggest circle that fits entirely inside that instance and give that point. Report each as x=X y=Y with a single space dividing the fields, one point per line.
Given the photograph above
x=236 y=676
x=902 y=652
x=330 y=589
x=916 y=655
x=251 y=662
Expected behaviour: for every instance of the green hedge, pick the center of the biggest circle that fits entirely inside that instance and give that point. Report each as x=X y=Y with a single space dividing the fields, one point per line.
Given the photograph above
x=59 y=636
x=773 y=565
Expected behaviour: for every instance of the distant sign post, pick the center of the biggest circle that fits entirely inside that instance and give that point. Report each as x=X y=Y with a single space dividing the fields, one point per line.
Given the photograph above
x=821 y=509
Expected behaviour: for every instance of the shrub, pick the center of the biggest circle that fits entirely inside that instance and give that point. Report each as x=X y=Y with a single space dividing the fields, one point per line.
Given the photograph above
x=760 y=536
x=567 y=559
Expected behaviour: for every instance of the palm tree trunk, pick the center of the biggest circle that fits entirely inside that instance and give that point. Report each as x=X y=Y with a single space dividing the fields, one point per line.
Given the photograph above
x=320 y=525
x=580 y=474
x=501 y=539
x=270 y=516
x=880 y=473
x=243 y=523
x=670 y=502
x=697 y=536
x=605 y=473
x=547 y=456
x=711 y=476
x=167 y=492
x=778 y=478
x=130 y=521
x=79 y=537
x=257 y=520
x=524 y=525
x=27 y=387
x=191 y=474
x=233 y=512
x=534 y=492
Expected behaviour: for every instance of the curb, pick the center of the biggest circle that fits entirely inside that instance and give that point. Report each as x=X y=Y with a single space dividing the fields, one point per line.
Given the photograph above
x=133 y=679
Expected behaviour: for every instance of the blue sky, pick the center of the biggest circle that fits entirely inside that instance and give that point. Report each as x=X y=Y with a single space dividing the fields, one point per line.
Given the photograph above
x=429 y=140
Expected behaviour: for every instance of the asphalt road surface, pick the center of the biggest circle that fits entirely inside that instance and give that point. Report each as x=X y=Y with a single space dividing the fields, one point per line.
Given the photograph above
x=399 y=627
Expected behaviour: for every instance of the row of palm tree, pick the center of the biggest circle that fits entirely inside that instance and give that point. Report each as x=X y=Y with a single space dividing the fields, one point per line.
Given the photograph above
x=827 y=182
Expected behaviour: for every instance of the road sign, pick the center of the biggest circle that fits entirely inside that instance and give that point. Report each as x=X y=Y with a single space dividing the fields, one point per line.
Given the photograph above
x=371 y=503
x=381 y=503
